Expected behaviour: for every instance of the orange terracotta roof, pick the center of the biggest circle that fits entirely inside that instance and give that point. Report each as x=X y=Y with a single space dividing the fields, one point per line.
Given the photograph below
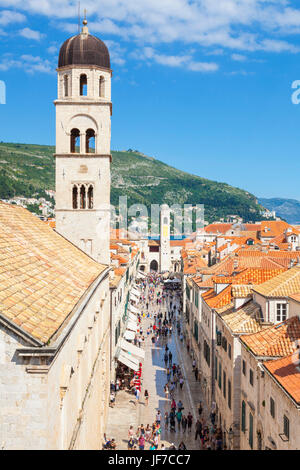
x=217 y=228
x=286 y=372
x=217 y=301
x=120 y=271
x=246 y=319
x=51 y=223
x=295 y=297
x=42 y=275
x=275 y=341
x=283 y=285
x=272 y=228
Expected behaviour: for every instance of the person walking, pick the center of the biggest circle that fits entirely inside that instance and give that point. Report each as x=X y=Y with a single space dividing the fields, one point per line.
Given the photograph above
x=137 y=395
x=146 y=395
x=189 y=421
x=196 y=373
x=184 y=423
x=200 y=408
x=166 y=420
x=179 y=418
x=198 y=429
x=181 y=382
x=141 y=442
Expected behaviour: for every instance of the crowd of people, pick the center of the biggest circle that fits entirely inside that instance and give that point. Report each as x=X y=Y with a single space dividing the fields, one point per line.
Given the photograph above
x=162 y=308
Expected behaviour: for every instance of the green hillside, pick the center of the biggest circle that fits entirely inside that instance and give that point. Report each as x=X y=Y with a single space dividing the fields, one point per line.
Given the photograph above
x=26 y=170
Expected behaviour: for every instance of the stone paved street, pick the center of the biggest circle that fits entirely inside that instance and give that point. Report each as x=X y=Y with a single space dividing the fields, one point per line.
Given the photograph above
x=126 y=412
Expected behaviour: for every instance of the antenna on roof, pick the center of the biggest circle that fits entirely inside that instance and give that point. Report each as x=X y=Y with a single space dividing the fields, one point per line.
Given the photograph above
x=78 y=17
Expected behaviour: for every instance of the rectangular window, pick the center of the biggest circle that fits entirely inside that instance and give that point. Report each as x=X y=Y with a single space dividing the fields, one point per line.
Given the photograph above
x=244 y=368
x=220 y=376
x=251 y=430
x=286 y=426
x=196 y=330
x=229 y=351
x=281 y=312
x=216 y=368
x=243 y=420
x=251 y=377
x=224 y=384
x=229 y=394
x=197 y=299
x=206 y=352
x=188 y=294
x=272 y=407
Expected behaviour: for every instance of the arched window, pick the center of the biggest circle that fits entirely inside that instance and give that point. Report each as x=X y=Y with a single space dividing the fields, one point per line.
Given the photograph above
x=75 y=141
x=90 y=197
x=165 y=220
x=66 y=85
x=83 y=85
x=101 y=87
x=75 y=197
x=90 y=141
x=82 y=197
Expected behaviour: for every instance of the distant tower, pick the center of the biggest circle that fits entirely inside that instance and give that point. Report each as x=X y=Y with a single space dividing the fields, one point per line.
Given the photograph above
x=165 y=255
x=83 y=129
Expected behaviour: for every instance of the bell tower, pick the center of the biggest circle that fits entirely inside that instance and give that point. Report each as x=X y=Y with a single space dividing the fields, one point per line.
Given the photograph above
x=83 y=133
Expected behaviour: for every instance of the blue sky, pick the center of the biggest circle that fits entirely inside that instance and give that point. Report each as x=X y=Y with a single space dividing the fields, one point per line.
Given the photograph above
x=202 y=85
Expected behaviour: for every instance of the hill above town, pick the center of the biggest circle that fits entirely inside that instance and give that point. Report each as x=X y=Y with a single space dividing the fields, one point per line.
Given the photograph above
x=28 y=170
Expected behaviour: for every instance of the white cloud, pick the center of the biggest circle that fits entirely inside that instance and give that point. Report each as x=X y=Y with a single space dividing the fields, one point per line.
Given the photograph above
x=238 y=57
x=213 y=26
x=186 y=61
x=52 y=49
x=31 y=34
x=116 y=52
x=28 y=63
x=7 y=17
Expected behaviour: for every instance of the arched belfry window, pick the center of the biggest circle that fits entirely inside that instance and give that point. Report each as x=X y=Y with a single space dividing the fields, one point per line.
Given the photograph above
x=83 y=85
x=102 y=87
x=66 y=85
x=90 y=197
x=75 y=141
x=90 y=141
x=82 y=197
x=75 y=197
x=165 y=221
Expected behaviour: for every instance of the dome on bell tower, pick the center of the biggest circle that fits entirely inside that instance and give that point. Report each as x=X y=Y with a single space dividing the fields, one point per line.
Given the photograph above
x=84 y=49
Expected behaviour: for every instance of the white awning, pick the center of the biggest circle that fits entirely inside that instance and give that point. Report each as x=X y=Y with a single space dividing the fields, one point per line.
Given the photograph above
x=131 y=325
x=141 y=275
x=134 y=297
x=135 y=292
x=133 y=309
x=129 y=335
x=128 y=360
x=132 y=349
x=132 y=317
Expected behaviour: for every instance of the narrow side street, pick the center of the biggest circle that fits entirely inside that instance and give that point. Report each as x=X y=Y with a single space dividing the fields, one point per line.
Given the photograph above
x=127 y=412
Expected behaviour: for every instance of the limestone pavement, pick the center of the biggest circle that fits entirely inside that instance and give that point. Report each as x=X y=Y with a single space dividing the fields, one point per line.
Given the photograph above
x=126 y=412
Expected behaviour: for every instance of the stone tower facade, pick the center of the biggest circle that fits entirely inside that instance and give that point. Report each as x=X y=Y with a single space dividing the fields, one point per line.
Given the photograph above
x=83 y=134
x=165 y=251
